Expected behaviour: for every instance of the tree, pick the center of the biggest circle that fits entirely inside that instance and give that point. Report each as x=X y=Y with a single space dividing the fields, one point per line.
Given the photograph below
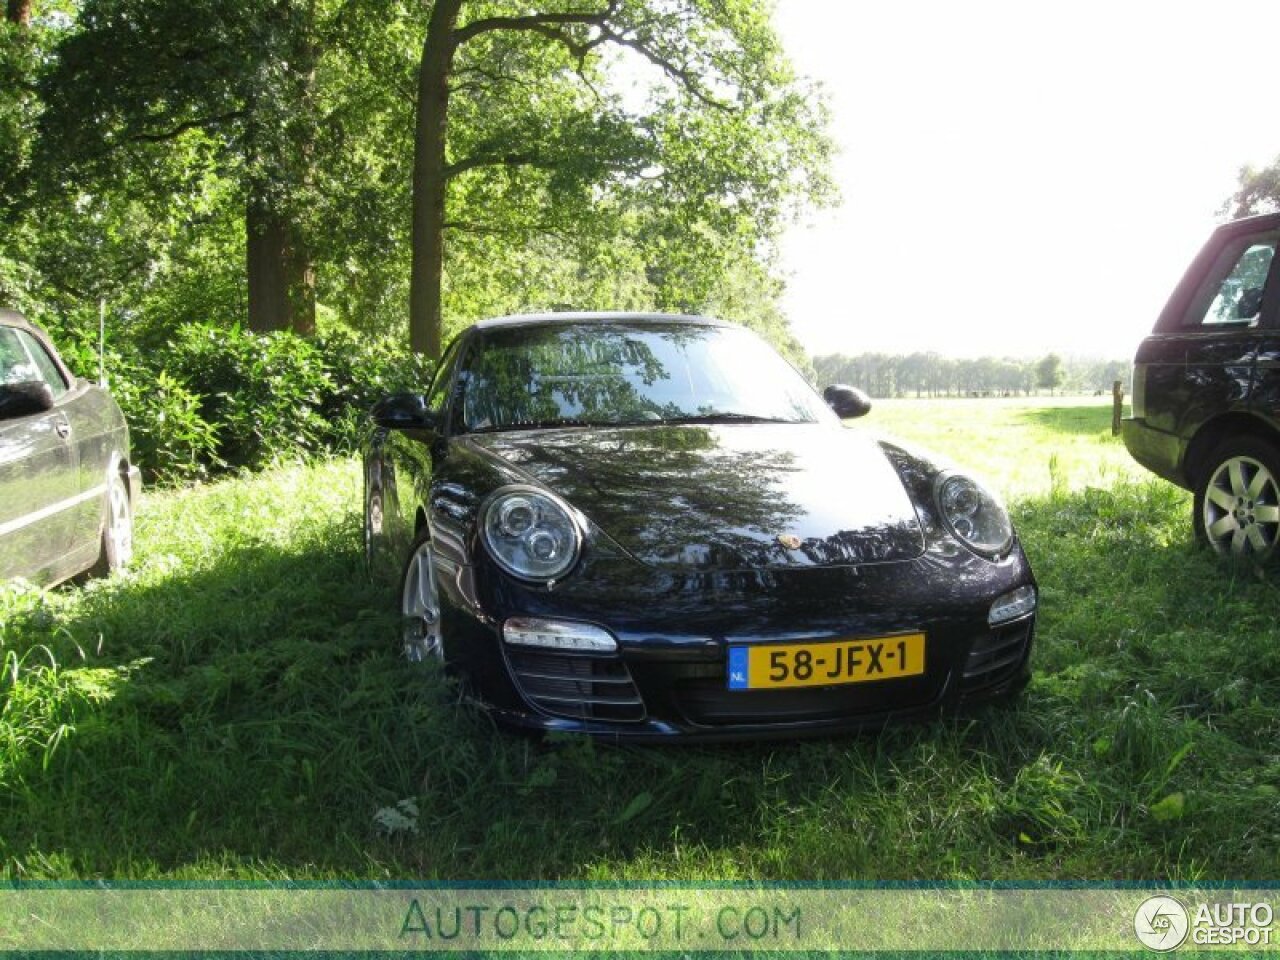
x=1259 y=192
x=231 y=88
x=204 y=159
x=1049 y=373
x=721 y=145
x=29 y=35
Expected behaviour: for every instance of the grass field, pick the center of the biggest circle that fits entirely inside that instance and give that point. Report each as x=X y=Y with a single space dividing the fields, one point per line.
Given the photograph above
x=235 y=708
x=1022 y=447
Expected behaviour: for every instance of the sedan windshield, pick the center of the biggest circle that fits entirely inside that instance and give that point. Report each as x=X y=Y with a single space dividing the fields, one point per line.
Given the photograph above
x=594 y=373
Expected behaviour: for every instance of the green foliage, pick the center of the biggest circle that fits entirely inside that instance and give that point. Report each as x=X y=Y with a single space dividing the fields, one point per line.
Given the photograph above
x=659 y=149
x=213 y=399
x=263 y=391
x=1259 y=191
x=170 y=437
x=144 y=130
x=362 y=369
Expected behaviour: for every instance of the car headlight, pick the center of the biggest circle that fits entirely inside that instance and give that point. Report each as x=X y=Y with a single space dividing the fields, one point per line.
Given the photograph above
x=531 y=534
x=974 y=516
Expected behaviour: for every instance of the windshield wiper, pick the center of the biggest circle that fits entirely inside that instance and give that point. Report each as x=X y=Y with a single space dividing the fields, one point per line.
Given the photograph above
x=550 y=424
x=716 y=416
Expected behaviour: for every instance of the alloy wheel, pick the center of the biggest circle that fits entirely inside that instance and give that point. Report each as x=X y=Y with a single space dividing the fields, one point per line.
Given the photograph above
x=420 y=606
x=119 y=522
x=1241 y=509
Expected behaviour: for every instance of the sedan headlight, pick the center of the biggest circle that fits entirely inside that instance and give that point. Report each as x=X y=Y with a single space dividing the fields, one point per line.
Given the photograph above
x=974 y=516
x=531 y=534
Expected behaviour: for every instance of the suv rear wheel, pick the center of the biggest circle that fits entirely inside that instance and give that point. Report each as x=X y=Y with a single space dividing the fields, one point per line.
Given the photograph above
x=1237 y=499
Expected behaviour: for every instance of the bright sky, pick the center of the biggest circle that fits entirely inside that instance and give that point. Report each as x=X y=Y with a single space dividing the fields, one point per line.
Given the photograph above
x=1019 y=177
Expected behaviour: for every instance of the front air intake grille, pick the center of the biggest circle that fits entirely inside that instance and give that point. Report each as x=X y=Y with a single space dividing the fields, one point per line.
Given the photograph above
x=996 y=656
x=577 y=686
x=703 y=698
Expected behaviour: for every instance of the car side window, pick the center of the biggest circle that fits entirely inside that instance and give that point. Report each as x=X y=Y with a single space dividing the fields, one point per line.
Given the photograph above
x=49 y=371
x=1233 y=293
x=16 y=364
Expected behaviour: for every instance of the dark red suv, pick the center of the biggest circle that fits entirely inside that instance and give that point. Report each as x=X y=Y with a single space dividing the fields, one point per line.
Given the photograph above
x=1206 y=390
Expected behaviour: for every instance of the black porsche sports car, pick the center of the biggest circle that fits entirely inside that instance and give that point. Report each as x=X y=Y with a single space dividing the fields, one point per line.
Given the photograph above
x=643 y=526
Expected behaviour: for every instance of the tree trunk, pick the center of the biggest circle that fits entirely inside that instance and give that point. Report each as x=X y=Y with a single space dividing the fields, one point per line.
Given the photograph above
x=281 y=277
x=280 y=272
x=429 y=182
x=268 y=288
x=18 y=12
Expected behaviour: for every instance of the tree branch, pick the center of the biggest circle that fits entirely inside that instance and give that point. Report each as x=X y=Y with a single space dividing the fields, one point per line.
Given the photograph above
x=682 y=75
x=451 y=170
x=147 y=137
x=484 y=229
x=487 y=79
x=548 y=24
x=544 y=23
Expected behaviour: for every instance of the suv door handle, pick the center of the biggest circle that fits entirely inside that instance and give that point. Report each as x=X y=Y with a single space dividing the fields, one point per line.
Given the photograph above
x=63 y=428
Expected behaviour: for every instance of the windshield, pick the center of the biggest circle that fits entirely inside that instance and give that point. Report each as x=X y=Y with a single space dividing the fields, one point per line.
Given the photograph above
x=593 y=373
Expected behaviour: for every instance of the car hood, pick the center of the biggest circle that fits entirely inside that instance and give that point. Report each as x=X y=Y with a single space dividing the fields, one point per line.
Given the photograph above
x=726 y=497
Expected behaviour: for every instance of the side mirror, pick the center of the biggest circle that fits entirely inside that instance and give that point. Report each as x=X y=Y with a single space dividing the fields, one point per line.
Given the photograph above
x=25 y=398
x=847 y=402
x=404 y=411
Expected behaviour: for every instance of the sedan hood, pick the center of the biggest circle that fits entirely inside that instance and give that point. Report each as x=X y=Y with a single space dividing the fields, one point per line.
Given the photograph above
x=726 y=497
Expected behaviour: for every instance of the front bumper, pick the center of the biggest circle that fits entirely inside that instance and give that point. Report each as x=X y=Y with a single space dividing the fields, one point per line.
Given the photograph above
x=669 y=677
x=690 y=700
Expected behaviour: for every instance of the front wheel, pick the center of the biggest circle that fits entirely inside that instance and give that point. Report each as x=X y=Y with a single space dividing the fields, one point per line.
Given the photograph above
x=420 y=603
x=1237 y=500
x=116 y=549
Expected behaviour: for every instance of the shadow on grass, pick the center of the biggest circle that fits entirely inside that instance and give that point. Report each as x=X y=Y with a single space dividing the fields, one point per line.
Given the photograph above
x=246 y=711
x=1085 y=419
x=250 y=720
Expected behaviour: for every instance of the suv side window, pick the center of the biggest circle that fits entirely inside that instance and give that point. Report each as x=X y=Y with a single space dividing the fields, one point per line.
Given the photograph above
x=1232 y=294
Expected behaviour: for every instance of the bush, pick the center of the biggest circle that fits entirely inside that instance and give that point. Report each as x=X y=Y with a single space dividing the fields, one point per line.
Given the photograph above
x=263 y=391
x=213 y=399
x=363 y=371
x=170 y=439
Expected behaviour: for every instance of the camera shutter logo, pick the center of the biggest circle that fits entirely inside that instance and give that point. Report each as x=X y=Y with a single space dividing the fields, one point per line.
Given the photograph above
x=1161 y=923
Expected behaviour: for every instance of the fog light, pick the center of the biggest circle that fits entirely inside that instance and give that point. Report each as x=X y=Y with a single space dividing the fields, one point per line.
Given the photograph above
x=558 y=635
x=1012 y=605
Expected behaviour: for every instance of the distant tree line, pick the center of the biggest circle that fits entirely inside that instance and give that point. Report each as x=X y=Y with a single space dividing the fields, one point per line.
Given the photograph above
x=934 y=375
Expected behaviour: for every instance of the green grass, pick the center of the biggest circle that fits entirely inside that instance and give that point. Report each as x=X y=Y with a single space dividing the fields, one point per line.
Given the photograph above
x=1023 y=447
x=235 y=708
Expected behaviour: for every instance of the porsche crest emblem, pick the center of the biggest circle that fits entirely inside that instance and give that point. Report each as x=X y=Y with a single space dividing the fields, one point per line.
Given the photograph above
x=789 y=541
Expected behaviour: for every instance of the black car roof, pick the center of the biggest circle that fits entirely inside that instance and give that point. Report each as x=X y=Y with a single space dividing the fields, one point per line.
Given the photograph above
x=12 y=318
x=605 y=317
x=1249 y=224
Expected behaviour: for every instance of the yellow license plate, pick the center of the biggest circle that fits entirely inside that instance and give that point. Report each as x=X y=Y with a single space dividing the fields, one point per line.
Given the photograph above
x=764 y=667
